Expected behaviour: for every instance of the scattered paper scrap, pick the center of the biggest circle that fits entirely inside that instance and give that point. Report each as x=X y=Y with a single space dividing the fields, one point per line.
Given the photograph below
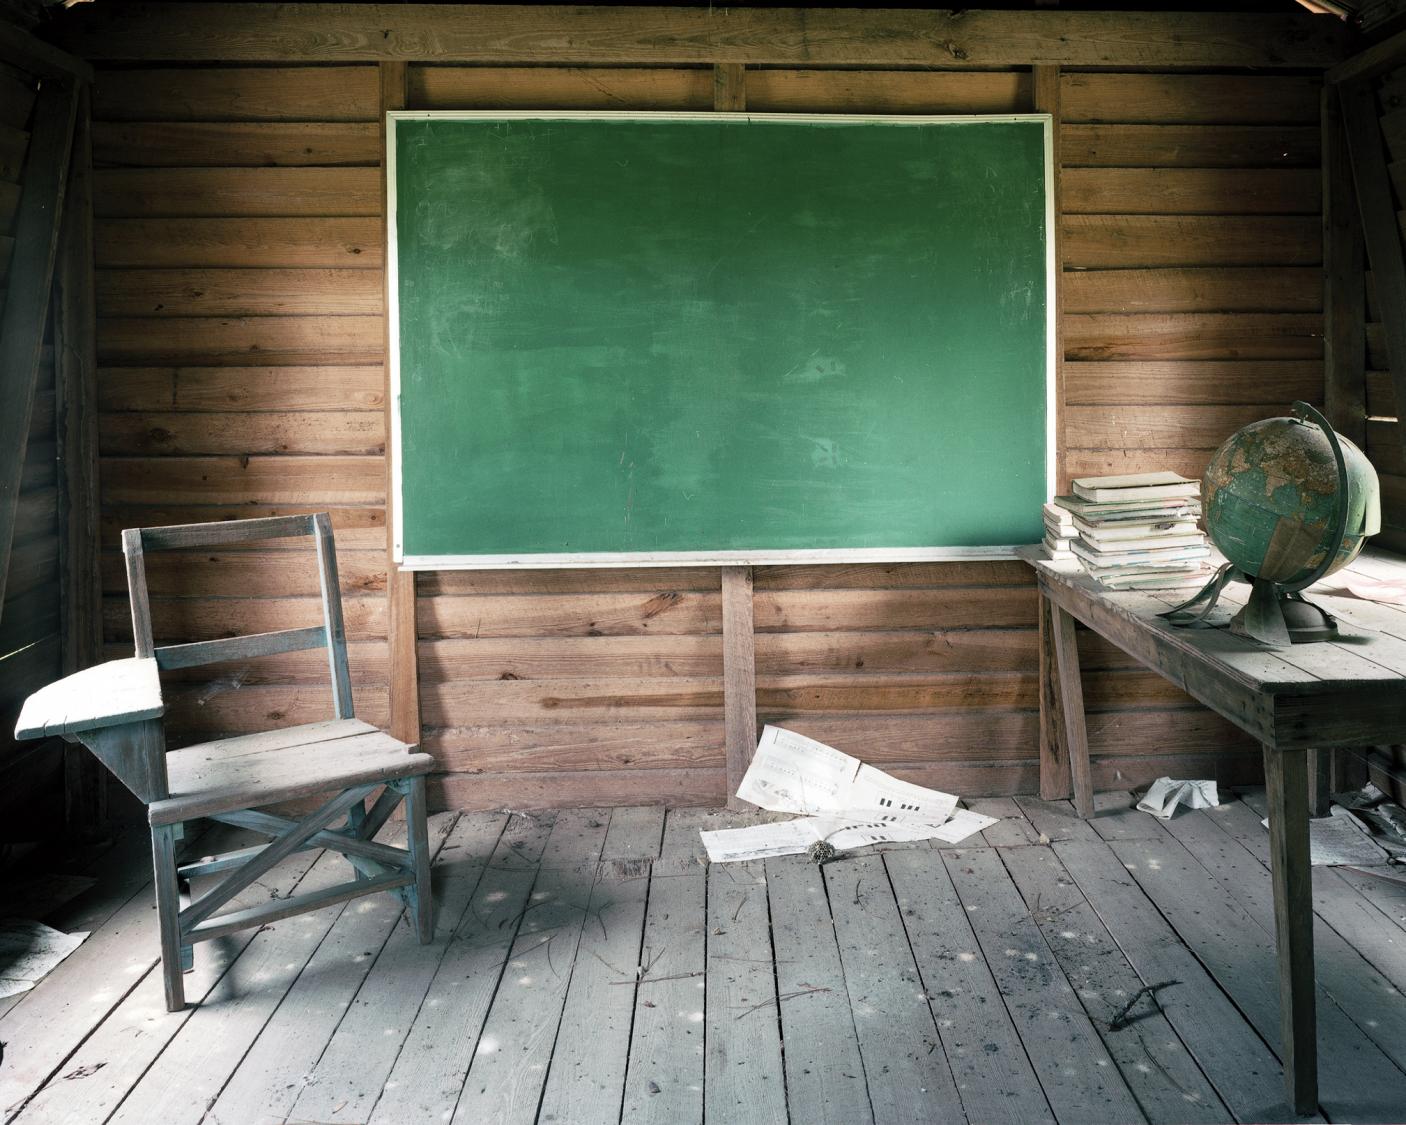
x=1384 y=818
x=1369 y=589
x=1165 y=794
x=1341 y=840
x=792 y=773
x=29 y=951
x=842 y=802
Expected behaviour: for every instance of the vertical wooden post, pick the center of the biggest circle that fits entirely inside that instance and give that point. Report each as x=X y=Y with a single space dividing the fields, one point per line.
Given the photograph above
x=76 y=392
x=1380 y=228
x=400 y=584
x=1286 y=777
x=1054 y=752
x=1344 y=287
x=739 y=678
x=336 y=632
x=1044 y=79
x=26 y=307
x=729 y=87
x=739 y=647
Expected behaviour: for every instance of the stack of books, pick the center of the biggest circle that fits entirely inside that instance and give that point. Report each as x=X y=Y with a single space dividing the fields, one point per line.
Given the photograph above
x=1060 y=532
x=1137 y=532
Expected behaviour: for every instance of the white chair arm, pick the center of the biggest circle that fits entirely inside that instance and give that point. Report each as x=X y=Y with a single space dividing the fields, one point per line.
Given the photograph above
x=106 y=695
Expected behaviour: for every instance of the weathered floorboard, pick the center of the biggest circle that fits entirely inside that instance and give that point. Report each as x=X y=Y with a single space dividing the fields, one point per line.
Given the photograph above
x=1230 y=1052
x=429 y=1073
x=1160 y=1072
x=1357 y=1081
x=743 y=1076
x=898 y=1038
x=568 y=982
x=664 y=1081
x=825 y=1077
x=1056 y=1032
x=509 y=1066
x=348 y=1077
x=586 y=1081
x=992 y=1071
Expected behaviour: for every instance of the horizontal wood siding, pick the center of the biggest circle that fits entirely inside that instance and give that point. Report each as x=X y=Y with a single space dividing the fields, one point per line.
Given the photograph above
x=239 y=296
x=239 y=258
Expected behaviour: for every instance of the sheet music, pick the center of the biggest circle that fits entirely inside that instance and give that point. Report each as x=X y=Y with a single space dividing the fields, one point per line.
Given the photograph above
x=841 y=800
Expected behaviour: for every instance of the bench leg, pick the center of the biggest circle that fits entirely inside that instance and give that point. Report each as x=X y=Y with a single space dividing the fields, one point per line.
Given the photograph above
x=1054 y=756
x=1286 y=775
x=168 y=908
x=1071 y=691
x=1320 y=781
x=421 y=898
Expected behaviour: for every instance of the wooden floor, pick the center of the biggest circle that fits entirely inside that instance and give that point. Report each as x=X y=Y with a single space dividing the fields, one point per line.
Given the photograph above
x=589 y=968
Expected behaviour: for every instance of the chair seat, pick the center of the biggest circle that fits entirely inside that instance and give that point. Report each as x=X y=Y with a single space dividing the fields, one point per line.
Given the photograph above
x=281 y=765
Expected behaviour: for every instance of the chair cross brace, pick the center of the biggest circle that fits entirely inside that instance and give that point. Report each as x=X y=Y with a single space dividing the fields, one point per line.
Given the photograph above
x=380 y=812
x=269 y=825
x=284 y=845
x=275 y=909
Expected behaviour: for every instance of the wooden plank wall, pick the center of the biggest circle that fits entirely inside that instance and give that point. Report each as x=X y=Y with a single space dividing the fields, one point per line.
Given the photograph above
x=1384 y=438
x=31 y=788
x=240 y=350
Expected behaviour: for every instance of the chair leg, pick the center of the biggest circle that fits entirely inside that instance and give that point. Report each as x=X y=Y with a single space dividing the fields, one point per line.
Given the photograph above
x=168 y=908
x=421 y=898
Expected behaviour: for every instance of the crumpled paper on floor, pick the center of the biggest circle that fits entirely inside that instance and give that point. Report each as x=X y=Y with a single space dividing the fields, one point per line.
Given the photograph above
x=1165 y=795
x=841 y=800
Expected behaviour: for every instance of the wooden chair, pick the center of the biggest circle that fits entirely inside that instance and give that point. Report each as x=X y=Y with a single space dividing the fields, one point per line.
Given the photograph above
x=116 y=710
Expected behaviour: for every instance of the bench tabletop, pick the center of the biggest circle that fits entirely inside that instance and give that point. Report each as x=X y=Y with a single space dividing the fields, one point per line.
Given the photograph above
x=1351 y=691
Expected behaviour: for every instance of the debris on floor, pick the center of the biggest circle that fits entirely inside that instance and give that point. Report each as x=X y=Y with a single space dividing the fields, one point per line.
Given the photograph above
x=842 y=803
x=1384 y=818
x=1341 y=840
x=29 y=951
x=1165 y=794
x=1367 y=589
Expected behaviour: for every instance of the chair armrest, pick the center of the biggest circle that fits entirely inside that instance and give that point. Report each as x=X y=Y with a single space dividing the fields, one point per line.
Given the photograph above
x=106 y=695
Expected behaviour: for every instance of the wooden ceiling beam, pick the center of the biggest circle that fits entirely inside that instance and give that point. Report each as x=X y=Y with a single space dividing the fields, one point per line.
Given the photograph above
x=1375 y=60
x=449 y=33
x=25 y=51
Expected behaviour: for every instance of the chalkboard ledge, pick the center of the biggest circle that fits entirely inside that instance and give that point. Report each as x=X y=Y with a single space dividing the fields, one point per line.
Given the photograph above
x=707 y=558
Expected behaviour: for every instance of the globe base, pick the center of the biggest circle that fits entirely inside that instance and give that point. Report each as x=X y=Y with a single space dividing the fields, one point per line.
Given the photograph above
x=1279 y=619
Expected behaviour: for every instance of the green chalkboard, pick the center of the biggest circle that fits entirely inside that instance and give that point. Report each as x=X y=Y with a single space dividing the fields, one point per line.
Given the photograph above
x=717 y=337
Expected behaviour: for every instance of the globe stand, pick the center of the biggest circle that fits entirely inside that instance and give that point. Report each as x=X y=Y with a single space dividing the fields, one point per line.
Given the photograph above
x=1276 y=614
x=1277 y=617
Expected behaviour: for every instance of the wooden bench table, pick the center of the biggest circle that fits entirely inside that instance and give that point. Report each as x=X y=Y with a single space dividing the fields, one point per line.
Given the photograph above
x=1299 y=703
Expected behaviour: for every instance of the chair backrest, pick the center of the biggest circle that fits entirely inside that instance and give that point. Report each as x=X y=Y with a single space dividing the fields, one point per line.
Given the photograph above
x=331 y=634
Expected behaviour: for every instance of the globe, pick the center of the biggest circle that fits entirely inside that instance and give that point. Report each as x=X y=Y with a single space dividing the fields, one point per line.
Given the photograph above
x=1270 y=499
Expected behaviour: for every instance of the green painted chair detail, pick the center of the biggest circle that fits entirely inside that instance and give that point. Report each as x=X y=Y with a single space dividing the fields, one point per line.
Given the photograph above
x=116 y=710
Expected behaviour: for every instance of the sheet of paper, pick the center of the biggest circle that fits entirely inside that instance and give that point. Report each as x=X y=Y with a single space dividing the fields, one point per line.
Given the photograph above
x=841 y=800
x=791 y=837
x=792 y=773
x=1377 y=590
x=1338 y=840
x=29 y=951
x=1166 y=794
